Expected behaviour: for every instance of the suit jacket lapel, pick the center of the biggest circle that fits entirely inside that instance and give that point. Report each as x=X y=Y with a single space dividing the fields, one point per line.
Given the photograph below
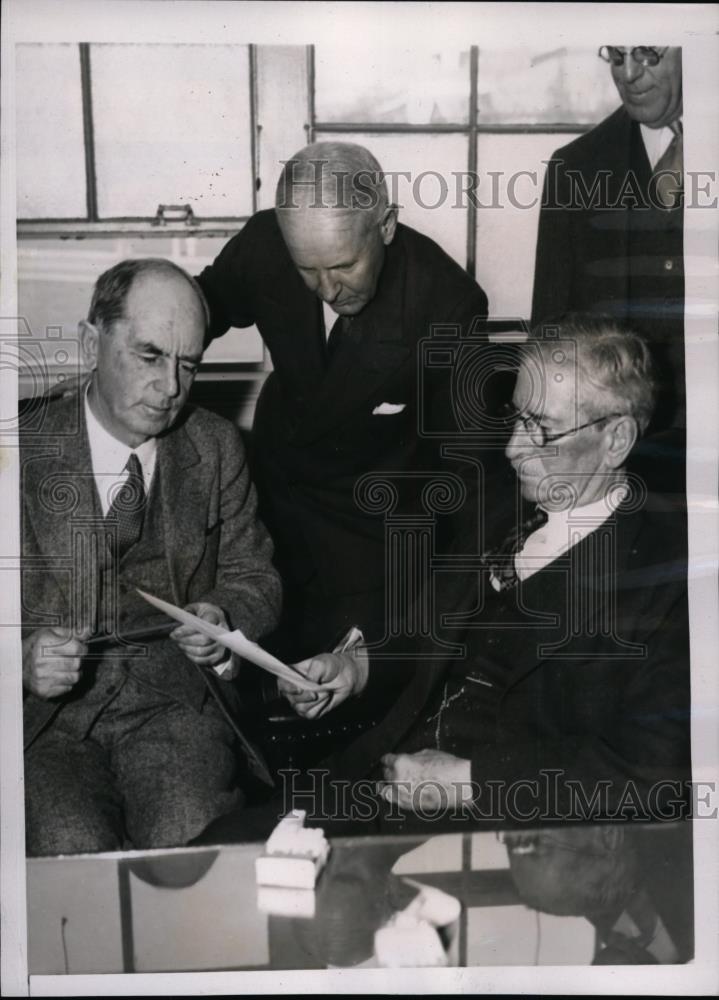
x=619 y=162
x=185 y=482
x=294 y=334
x=58 y=488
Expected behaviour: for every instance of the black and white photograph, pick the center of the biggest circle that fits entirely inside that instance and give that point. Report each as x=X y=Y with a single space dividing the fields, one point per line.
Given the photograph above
x=359 y=472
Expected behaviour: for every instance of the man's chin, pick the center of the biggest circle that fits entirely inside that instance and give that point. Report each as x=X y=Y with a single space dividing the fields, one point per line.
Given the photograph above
x=645 y=113
x=154 y=423
x=351 y=308
x=528 y=489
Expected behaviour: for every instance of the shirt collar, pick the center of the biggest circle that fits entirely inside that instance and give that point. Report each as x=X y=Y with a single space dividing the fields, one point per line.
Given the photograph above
x=595 y=512
x=580 y=521
x=656 y=141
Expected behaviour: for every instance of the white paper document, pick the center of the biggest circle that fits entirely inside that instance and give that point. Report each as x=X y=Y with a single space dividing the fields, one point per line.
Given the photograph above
x=235 y=641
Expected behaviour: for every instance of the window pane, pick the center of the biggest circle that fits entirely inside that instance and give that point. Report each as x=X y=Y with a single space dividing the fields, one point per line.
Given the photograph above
x=507 y=220
x=172 y=126
x=532 y=86
x=50 y=152
x=397 y=85
x=55 y=280
x=428 y=200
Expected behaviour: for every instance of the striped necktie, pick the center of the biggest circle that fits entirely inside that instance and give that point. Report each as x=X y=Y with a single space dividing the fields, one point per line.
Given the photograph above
x=128 y=506
x=669 y=171
x=500 y=561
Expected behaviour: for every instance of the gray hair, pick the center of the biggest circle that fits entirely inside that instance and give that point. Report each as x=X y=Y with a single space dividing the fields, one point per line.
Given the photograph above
x=613 y=359
x=113 y=286
x=339 y=175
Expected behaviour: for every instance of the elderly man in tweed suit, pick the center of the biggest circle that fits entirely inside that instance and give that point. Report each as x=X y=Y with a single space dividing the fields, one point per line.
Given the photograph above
x=130 y=733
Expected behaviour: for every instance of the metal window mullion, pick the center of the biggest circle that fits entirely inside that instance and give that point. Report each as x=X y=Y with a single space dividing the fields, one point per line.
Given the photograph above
x=471 y=266
x=411 y=128
x=311 y=126
x=88 y=128
x=535 y=128
x=452 y=128
x=119 y=228
x=254 y=126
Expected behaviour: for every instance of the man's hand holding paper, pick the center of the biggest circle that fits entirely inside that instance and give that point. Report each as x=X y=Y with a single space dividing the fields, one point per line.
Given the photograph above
x=201 y=648
x=341 y=675
x=195 y=624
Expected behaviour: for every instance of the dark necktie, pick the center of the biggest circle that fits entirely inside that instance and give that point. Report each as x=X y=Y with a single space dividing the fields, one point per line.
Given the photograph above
x=500 y=561
x=336 y=334
x=128 y=506
x=669 y=171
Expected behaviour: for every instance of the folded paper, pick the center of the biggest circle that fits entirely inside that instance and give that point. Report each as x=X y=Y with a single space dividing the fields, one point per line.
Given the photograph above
x=235 y=641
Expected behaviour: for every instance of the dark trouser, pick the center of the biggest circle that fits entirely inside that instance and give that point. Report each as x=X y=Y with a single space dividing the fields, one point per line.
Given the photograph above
x=151 y=772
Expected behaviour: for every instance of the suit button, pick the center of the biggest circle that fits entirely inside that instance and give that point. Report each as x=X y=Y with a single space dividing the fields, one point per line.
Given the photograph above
x=111 y=689
x=668 y=265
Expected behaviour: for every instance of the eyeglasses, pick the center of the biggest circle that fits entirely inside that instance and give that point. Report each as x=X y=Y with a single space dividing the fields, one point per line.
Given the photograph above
x=539 y=435
x=645 y=55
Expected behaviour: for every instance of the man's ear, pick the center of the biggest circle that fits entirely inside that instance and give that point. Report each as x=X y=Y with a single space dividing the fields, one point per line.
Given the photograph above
x=89 y=337
x=624 y=433
x=388 y=224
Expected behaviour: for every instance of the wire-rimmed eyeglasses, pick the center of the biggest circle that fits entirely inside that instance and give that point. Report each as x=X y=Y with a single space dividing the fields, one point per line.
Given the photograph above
x=538 y=434
x=645 y=55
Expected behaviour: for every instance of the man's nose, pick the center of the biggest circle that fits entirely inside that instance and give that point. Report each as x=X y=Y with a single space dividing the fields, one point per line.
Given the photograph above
x=169 y=381
x=631 y=70
x=329 y=286
x=519 y=444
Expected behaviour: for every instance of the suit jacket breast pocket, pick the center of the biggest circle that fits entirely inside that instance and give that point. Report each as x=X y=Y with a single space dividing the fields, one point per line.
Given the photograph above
x=389 y=422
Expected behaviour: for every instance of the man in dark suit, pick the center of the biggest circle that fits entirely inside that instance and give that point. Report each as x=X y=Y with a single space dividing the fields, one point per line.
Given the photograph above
x=610 y=236
x=342 y=295
x=568 y=691
x=131 y=737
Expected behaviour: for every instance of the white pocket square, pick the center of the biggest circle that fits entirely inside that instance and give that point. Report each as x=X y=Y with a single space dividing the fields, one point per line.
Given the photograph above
x=387 y=409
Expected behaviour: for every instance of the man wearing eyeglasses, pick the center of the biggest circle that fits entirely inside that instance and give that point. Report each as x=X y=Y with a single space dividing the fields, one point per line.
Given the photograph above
x=610 y=231
x=574 y=637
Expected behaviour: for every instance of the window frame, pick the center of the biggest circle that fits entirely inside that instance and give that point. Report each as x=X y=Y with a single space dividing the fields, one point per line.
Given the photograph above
x=472 y=129
x=143 y=227
x=92 y=225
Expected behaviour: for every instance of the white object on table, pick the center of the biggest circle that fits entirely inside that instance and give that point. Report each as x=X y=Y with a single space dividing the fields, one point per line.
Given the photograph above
x=294 y=855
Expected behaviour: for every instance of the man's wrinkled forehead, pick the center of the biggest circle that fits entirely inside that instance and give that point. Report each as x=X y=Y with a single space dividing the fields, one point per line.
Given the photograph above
x=322 y=222
x=166 y=310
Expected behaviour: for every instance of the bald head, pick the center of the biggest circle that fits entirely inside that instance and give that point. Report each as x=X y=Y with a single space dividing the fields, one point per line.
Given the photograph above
x=333 y=211
x=341 y=176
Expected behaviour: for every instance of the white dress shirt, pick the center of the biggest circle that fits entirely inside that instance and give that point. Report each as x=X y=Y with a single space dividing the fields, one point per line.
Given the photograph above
x=109 y=458
x=330 y=318
x=656 y=142
x=564 y=528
